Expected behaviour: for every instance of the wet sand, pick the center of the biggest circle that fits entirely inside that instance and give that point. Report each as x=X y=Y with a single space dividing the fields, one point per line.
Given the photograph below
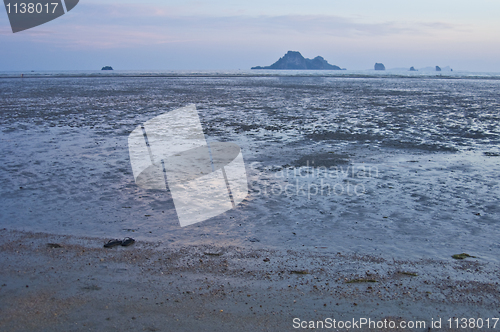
x=412 y=163
x=425 y=151
x=67 y=283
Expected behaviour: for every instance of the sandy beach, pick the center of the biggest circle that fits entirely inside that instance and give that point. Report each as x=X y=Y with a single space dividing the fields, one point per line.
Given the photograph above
x=258 y=166
x=67 y=283
x=302 y=247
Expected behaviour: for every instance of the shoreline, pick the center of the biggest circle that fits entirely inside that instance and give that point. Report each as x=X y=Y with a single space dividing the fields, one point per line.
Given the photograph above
x=251 y=74
x=79 y=284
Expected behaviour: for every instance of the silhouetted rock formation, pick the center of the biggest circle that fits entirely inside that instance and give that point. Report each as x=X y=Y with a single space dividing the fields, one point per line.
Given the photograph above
x=438 y=68
x=379 y=66
x=107 y=68
x=295 y=60
x=413 y=69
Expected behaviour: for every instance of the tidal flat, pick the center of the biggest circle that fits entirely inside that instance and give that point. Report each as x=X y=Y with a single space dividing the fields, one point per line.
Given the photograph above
x=361 y=191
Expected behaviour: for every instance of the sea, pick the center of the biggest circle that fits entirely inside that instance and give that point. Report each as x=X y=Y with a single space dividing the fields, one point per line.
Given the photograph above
x=396 y=164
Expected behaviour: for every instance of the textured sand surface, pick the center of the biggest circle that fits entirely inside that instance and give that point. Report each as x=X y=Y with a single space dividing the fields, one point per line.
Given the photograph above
x=425 y=151
x=65 y=283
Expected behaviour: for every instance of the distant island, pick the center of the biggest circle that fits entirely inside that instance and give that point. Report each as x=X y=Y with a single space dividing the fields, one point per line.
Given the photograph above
x=436 y=68
x=295 y=60
x=380 y=66
x=107 y=68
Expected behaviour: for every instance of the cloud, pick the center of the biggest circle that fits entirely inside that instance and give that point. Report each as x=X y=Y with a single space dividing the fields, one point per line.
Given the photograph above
x=129 y=25
x=139 y=35
x=164 y=16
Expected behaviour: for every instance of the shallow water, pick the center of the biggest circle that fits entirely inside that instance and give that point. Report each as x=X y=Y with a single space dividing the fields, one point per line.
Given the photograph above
x=409 y=167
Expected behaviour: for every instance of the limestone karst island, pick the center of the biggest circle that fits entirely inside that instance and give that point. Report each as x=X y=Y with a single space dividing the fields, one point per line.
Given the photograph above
x=295 y=61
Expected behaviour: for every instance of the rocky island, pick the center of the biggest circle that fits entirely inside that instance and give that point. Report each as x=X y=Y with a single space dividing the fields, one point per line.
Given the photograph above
x=295 y=60
x=107 y=68
x=379 y=66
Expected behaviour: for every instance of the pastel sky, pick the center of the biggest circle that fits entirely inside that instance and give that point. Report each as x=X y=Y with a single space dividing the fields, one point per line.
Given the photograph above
x=223 y=34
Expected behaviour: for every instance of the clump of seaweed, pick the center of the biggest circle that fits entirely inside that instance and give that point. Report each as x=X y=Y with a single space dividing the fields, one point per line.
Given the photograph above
x=462 y=256
x=299 y=271
x=408 y=273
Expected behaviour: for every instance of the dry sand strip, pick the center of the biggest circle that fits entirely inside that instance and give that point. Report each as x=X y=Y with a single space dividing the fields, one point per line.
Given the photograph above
x=66 y=283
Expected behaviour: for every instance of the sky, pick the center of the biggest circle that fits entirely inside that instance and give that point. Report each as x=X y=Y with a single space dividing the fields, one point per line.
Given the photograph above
x=223 y=34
